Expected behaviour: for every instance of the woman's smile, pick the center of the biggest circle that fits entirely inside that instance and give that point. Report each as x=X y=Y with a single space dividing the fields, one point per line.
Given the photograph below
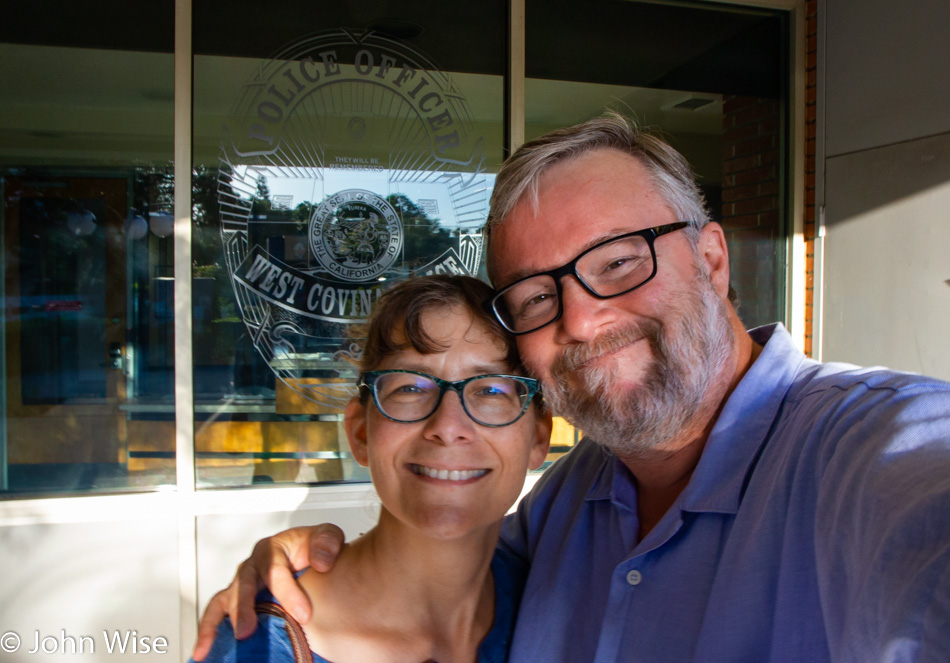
x=442 y=474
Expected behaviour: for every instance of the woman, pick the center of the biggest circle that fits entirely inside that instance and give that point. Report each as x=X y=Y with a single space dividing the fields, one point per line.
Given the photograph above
x=426 y=583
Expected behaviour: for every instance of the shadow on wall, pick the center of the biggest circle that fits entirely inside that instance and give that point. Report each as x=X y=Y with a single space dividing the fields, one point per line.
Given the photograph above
x=887 y=257
x=864 y=181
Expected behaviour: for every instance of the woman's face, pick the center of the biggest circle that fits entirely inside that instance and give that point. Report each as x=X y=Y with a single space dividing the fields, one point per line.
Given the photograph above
x=406 y=460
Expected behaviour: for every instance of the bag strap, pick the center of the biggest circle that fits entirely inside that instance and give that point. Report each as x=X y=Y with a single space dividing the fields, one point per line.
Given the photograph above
x=298 y=641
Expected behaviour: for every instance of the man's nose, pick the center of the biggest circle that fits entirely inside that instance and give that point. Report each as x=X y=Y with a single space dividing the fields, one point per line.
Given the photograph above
x=582 y=314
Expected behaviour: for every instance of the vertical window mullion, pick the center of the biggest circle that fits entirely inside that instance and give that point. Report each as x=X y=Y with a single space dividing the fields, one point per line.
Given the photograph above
x=516 y=73
x=184 y=385
x=184 y=371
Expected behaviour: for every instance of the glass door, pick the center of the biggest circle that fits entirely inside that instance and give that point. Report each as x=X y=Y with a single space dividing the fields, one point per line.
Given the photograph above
x=65 y=332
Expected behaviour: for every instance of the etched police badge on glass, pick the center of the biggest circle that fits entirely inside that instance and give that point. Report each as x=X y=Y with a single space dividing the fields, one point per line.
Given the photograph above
x=349 y=163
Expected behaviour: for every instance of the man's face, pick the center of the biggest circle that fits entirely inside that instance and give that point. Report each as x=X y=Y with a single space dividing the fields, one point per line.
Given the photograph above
x=631 y=371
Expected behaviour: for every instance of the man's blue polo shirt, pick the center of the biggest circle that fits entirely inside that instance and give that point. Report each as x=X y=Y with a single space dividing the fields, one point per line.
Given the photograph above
x=816 y=527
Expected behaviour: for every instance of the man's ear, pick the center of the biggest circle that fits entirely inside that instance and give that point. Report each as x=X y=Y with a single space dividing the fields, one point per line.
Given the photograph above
x=542 y=438
x=714 y=256
x=354 y=421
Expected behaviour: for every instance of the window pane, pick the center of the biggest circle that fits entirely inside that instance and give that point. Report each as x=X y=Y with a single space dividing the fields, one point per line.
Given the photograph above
x=711 y=79
x=86 y=136
x=330 y=164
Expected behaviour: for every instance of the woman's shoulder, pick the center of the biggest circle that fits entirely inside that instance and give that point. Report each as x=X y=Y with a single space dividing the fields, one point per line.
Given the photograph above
x=509 y=572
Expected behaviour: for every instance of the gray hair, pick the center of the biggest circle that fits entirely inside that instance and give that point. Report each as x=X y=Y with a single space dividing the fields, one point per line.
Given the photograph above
x=669 y=171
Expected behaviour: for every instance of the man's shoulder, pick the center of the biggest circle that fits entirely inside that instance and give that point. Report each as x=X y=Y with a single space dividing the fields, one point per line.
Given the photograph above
x=800 y=379
x=834 y=410
x=841 y=381
x=856 y=421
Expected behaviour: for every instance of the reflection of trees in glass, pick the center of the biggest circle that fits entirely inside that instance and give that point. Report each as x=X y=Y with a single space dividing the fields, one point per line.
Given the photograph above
x=260 y=201
x=217 y=329
x=153 y=190
x=206 y=248
x=303 y=211
x=424 y=239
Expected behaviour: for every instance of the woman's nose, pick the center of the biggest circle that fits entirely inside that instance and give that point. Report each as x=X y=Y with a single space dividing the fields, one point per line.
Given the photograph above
x=449 y=423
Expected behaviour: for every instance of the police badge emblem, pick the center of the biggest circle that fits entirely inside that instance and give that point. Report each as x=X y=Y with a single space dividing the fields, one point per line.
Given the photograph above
x=389 y=177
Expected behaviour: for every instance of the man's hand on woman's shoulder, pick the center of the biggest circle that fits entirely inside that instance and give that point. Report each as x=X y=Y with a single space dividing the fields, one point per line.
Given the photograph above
x=272 y=564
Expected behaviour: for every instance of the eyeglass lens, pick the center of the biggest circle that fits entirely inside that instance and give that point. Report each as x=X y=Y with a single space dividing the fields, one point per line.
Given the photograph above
x=491 y=400
x=609 y=269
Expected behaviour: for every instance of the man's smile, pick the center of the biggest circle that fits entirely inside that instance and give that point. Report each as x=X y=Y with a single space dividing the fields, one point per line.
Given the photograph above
x=604 y=348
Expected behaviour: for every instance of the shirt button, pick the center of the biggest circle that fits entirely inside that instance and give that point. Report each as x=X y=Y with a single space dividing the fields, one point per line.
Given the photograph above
x=634 y=578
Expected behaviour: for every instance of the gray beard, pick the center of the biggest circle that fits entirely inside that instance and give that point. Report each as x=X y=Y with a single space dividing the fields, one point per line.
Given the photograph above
x=690 y=352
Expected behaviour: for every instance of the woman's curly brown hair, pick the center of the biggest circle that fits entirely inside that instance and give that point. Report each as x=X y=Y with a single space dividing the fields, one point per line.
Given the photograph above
x=396 y=321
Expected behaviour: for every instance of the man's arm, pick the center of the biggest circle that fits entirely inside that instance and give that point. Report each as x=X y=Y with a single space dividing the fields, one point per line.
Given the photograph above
x=274 y=561
x=883 y=533
x=272 y=564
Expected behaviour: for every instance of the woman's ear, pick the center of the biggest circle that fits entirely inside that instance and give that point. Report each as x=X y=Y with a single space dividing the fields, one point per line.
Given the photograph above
x=542 y=438
x=354 y=421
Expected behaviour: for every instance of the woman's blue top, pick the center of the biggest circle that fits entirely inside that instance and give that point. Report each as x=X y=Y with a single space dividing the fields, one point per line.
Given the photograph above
x=270 y=641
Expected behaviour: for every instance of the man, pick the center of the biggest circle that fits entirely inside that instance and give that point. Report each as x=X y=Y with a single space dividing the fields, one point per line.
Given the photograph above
x=732 y=500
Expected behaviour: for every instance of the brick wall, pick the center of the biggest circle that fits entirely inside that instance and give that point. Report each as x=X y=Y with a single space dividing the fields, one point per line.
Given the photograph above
x=750 y=194
x=750 y=204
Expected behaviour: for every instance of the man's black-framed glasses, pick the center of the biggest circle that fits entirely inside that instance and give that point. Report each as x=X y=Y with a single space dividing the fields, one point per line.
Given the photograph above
x=411 y=396
x=609 y=269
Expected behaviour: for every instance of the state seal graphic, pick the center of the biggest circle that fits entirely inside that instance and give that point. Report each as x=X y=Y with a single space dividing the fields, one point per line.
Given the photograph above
x=356 y=235
x=348 y=163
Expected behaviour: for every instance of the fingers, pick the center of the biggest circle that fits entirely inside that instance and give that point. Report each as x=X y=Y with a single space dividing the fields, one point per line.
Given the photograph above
x=208 y=626
x=283 y=585
x=275 y=560
x=326 y=541
x=240 y=598
x=273 y=564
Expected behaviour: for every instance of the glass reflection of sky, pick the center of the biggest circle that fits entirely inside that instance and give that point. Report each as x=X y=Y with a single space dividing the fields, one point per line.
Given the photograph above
x=425 y=187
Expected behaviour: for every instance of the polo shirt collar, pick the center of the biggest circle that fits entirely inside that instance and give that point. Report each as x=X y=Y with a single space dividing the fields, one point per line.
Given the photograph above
x=740 y=432
x=611 y=469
